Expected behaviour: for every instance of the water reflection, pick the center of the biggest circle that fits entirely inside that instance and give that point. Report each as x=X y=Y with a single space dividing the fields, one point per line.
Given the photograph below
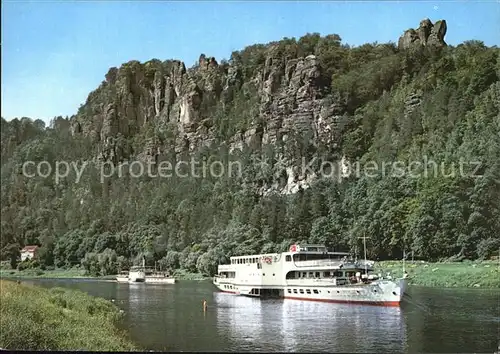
x=305 y=326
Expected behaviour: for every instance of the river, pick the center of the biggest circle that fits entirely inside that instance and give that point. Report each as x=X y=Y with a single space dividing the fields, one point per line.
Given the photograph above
x=171 y=318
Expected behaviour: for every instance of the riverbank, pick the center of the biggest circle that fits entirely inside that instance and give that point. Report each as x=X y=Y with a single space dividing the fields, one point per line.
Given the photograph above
x=465 y=274
x=77 y=273
x=38 y=273
x=34 y=318
x=453 y=274
x=181 y=274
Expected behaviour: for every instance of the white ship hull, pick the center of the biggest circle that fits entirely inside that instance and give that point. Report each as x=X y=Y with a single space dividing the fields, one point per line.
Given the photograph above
x=382 y=293
x=160 y=280
x=122 y=279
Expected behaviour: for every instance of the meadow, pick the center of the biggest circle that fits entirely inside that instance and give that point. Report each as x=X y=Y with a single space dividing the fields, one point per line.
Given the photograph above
x=466 y=274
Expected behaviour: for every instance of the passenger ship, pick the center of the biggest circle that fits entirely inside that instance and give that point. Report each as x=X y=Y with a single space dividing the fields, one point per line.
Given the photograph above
x=309 y=272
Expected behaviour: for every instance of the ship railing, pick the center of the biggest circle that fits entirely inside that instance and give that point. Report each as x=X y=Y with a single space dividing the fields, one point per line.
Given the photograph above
x=224 y=267
x=319 y=263
x=316 y=281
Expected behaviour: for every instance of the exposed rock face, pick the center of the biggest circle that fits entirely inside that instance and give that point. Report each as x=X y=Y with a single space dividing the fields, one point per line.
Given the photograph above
x=289 y=103
x=290 y=91
x=427 y=34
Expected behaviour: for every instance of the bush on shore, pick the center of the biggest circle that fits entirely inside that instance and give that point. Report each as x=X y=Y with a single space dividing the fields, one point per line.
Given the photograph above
x=34 y=318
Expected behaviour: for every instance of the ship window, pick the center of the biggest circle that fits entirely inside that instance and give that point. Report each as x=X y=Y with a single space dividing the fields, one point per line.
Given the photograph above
x=326 y=274
x=288 y=258
x=258 y=266
x=274 y=274
x=289 y=291
x=263 y=274
x=295 y=291
x=315 y=291
x=304 y=274
x=317 y=275
x=328 y=291
x=308 y=291
x=310 y=274
x=301 y=291
x=337 y=274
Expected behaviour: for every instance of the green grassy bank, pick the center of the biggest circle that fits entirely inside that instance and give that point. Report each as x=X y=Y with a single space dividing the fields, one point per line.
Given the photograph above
x=75 y=273
x=38 y=273
x=453 y=274
x=34 y=318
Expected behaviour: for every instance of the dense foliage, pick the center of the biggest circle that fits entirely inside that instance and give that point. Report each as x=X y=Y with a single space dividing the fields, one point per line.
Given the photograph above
x=195 y=223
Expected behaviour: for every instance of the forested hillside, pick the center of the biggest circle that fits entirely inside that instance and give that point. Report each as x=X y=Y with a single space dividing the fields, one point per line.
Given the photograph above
x=269 y=107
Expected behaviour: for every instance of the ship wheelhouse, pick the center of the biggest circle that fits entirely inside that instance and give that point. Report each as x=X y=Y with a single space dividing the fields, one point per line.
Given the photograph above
x=316 y=263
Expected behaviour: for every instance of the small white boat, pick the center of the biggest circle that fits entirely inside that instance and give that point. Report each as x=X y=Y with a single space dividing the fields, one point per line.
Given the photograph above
x=137 y=275
x=160 y=278
x=142 y=274
x=122 y=277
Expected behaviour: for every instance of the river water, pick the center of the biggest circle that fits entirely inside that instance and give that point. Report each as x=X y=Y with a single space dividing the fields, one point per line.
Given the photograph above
x=171 y=318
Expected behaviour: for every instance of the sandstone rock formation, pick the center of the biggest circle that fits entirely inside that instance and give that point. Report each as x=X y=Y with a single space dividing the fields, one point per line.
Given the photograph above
x=427 y=34
x=284 y=97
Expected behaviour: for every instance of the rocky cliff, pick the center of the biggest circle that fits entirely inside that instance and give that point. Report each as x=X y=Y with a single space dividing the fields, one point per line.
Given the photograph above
x=411 y=116
x=284 y=93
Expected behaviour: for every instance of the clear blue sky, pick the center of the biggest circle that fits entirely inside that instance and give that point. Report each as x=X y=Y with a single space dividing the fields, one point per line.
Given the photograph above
x=54 y=53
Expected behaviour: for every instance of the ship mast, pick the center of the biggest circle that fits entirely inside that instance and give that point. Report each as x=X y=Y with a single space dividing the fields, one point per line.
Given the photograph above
x=404 y=257
x=364 y=246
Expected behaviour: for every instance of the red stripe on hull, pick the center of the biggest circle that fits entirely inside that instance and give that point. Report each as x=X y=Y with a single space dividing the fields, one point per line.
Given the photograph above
x=229 y=292
x=374 y=303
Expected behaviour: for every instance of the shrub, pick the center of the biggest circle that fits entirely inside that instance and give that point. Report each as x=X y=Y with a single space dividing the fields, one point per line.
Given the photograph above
x=33 y=318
